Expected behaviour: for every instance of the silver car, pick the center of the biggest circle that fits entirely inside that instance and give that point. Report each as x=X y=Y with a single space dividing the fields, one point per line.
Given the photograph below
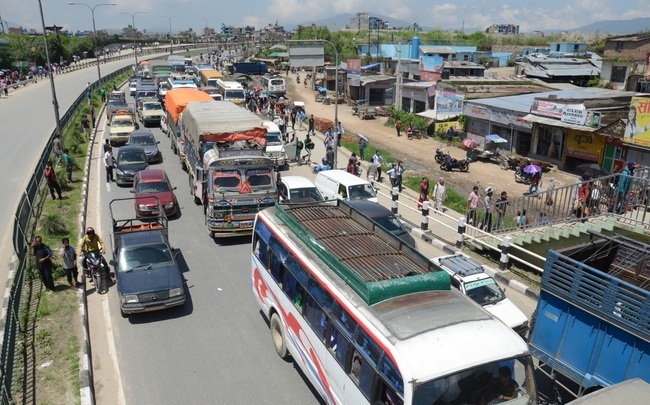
x=148 y=142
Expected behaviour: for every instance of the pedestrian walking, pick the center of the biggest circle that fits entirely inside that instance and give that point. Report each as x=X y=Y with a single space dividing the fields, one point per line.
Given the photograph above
x=311 y=122
x=92 y=115
x=409 y=131
x=362 y=147
x=89 y=96
x=398 y=127
x=391 y=175
x=107 y=145
x=102 y=93
x=329 y=155
x=500 y=206
x=43 y=255
x=549 y=192
x=69 y=256
x=439 y=194
x=85 y=125
x=3 y=88
x=489 y=207
x=293 y=119
x=339 y=133
x=377 y=159
x=399 y=171
x=299 y=146
x=57 y=147
x=300 y=116
x=450 y=135
x=109 y=162
x=50 y=177
x=309 y=146
x=424 y=192
x=535 y=183
x=473 y=201
x=69 y=164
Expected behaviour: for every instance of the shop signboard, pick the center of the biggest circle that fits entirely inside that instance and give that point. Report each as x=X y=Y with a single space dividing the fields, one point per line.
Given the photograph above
x=449 y=101
x=637 y=129
x=574 y=116
x=354 y=72
x=477 y=111
x=509 y=118
x=551 y=109
x=584 y=145
x=444 y=126
x=593 y=119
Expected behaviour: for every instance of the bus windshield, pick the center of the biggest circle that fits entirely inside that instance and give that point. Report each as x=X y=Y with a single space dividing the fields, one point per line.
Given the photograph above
x=510 y=378
x=230 y=94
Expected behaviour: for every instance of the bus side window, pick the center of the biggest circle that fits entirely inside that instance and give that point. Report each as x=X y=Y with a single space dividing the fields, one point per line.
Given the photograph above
x=293 y=290
x=339 y=345
x=387 y=396
x=276 y=268
x=261 y=250
x=315 y=316
x=362 y=373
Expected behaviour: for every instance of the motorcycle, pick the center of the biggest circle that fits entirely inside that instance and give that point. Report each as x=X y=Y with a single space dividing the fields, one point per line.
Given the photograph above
x=451 y=163
x=440 y=156
x=95 y=269
x=521 y=176
x=298 y=79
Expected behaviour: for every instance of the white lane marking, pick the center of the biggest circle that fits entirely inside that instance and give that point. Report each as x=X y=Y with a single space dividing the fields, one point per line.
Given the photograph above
x=106 y=312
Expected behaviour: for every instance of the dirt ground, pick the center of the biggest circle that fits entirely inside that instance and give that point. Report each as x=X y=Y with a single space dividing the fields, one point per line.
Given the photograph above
x=418 y=154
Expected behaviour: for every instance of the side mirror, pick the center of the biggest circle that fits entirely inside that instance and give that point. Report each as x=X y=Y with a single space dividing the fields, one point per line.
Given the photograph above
x=174 y=188
x=157 y=142
x=131 y=191
x=113 y=263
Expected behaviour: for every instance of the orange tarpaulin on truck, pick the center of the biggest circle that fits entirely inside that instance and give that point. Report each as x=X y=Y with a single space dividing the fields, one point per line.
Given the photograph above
x=254 y=135
x=177 y=100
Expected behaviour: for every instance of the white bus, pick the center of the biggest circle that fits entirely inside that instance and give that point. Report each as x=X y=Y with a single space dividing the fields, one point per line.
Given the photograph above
x=371 y=321
x=231 y=91
x=274 y=85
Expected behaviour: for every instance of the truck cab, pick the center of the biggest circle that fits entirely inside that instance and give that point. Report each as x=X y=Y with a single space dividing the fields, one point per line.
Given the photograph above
x=470 y=278
x=147 y=272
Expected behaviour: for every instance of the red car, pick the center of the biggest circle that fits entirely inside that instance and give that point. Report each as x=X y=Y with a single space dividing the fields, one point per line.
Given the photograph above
x=153 y=183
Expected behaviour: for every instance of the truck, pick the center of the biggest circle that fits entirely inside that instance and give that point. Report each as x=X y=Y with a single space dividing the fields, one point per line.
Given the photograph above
x=229 y=172
x=150 y=111
x=147 y=272
x=122 y=124
x=591 y=327
x=157 y=66
x=209 y=77
x=251 y=68
x=175 y=103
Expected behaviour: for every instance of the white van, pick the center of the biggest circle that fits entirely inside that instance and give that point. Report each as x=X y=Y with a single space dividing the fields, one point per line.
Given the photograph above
x=339 y=184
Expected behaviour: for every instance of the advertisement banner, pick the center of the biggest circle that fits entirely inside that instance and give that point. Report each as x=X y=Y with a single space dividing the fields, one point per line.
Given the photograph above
x=431 y=68
x=574 y=116
x=509 y=118
x=444 y=126
x=426 y=76
x=551 y=109
x=354 y=72
x=593 y=119
x=477 y=111
x=637 y=130
x=584 y=145
x=449 y=101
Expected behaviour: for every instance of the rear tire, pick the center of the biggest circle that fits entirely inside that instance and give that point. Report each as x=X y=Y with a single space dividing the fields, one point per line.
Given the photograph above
x=504 y=165
x=277 y=334
x=464 y=167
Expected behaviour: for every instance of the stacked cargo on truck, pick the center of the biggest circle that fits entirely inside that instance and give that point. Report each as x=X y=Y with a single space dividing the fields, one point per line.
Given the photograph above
x=175 y=103
x=228 y=169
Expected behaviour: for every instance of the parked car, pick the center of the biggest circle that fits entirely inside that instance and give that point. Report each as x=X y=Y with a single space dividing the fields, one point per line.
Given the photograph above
x=470 y=278
x=298 y=189
x=148 y=142
x=386 y=219
x=130 y=160
x=151 y=186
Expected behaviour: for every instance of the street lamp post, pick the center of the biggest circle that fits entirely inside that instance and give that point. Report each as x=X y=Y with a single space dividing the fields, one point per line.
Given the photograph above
x=135 y=32
x=336 y=89
x=55 y=103
x=92 y=11
x=207 y=41
x=171 y=40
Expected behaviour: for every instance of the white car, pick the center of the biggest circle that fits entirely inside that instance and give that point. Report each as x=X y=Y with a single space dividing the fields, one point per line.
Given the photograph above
x=132 y=86
x=469 y=277
x=275 y=147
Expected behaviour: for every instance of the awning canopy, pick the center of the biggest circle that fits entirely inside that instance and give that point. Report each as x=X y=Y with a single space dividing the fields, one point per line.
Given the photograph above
x=557 y=123
x=284 y=48
x=431 y=114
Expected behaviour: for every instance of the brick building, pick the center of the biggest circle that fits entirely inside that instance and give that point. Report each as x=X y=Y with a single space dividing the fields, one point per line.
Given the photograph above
x=626 y=57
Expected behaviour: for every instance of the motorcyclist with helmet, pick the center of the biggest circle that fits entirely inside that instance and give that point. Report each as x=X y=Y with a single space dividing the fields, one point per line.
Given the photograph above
x=91 y=242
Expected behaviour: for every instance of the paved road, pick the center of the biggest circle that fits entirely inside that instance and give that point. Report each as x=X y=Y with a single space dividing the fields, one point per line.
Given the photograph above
x=215 y=349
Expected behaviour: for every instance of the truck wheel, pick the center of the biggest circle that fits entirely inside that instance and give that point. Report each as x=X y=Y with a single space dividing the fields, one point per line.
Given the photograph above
x=277 y=334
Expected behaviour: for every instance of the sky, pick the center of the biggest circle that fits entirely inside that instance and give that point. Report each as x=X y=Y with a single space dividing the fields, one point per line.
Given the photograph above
x=530 y=15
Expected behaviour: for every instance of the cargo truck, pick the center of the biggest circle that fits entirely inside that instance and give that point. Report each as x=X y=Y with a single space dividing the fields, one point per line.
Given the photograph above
x=591 y=328
x=251 y=68
x=229 y=172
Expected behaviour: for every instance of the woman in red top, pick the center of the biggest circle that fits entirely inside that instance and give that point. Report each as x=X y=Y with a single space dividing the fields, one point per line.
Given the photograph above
x=424 y=192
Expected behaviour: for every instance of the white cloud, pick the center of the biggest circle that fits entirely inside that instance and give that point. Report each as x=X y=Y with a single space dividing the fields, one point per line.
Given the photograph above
x=252 y=21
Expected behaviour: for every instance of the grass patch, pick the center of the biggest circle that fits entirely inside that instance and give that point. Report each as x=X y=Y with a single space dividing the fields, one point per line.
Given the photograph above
x=455 y=200
x=351 y=143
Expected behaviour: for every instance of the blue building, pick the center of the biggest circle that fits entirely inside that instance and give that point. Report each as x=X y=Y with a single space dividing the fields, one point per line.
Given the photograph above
x=559 y=49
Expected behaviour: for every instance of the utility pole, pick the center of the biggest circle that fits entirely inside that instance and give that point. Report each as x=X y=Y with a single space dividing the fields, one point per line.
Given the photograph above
x=55 y=102
x=400 y=77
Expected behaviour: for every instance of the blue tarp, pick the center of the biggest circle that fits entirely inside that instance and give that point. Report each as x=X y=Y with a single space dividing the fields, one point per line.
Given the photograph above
x=369 y=66
x=496 y=139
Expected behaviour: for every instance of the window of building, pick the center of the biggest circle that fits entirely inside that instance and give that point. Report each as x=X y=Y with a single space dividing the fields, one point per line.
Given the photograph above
x=618 y=74
x=550 y=142
x=576 y=48
x=557 y=48
x=619 y=46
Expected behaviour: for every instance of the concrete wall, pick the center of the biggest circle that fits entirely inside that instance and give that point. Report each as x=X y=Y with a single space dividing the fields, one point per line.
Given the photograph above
x=636 y=50
x=606 y=71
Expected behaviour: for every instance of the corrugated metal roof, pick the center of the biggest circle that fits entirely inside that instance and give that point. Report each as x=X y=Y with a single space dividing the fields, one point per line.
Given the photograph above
x=423 y=85
x=375 y=78
x=522 y=102
x=558 y=72
x=437 y=49
x=460 y=64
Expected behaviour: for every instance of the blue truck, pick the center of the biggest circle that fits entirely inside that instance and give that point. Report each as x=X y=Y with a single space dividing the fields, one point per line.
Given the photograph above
x=591 y=328
x=251 y=68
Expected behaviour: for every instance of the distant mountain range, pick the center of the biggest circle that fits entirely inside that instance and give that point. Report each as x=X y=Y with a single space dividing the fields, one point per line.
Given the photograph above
x=621 y=27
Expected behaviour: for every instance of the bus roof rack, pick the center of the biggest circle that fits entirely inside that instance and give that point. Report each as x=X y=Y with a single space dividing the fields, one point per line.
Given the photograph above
x=375 y=263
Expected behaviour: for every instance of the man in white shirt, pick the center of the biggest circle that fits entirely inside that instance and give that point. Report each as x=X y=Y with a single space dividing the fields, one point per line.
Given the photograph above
x=439 y=194
x=109 y=162
x=377 y=160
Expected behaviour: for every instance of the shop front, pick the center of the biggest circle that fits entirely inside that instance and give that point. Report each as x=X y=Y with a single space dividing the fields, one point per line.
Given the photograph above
x=483 y=120
x=615 y=154
x=583 y=147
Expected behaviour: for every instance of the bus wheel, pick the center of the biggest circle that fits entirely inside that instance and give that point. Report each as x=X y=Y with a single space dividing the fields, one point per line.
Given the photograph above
x=277 y=333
